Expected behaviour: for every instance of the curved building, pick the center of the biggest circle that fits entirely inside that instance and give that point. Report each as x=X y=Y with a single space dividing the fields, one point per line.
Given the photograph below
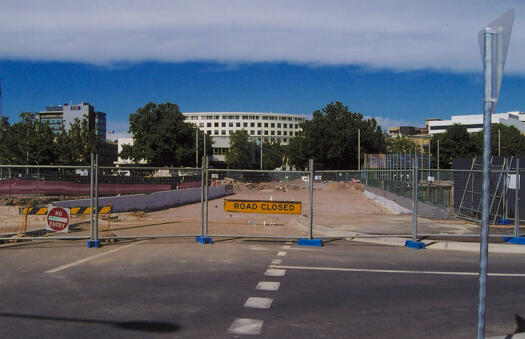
x=277 y=127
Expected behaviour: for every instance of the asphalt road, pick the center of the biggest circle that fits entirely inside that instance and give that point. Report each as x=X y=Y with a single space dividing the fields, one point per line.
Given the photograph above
x=177 y=288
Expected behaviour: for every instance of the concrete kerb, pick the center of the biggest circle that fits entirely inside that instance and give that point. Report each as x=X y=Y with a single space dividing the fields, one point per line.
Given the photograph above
x=443 y=245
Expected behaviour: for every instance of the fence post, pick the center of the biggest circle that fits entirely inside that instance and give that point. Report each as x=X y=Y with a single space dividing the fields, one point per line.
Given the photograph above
x=415 y=189
x=93 y=237
x=517 y=201
x=311 y=165
x=202 y=195
x=96 y=200
x=206 y=199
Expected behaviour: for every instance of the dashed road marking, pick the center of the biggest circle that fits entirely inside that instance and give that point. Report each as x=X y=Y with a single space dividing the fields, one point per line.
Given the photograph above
x=285 y=247
x=275 y=272
x=81 y=261
x=281 y=253
x=522 y=275
x=288 y=243
x=246 y=326
x=257 y=302
x=277 y=261
x=268 y=285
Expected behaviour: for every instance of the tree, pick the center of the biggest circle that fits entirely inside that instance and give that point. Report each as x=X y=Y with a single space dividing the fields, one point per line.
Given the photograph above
x=331 y=136
x=33 y=141
x=454 y=143
x=6 y=142
x=512 y=141
x=400 y=145
x=77 y=143
x=241 y=152
x=161 y=137
x=274 y=155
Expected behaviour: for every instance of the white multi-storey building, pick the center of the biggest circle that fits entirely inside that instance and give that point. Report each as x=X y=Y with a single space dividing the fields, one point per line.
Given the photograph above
x=276 y=127
x=474 y=123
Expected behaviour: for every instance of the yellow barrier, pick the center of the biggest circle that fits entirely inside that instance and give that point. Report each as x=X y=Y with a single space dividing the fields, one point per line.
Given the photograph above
x=262 y=206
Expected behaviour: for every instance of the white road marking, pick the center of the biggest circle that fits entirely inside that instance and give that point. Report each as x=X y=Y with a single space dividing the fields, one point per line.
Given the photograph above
x=246 y=326
x=81 y=261
x=274 y=272
x=286 y=247
x=288 y=243
x=281 y=253
x=256 y=302
x=393 y=271
x=277 y=261
x=268 y=285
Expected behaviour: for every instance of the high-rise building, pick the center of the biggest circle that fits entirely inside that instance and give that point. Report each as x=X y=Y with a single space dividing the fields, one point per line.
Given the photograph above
x=66 y=114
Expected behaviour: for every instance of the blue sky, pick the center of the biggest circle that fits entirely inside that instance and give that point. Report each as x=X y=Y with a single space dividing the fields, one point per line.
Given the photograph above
x=399 y=61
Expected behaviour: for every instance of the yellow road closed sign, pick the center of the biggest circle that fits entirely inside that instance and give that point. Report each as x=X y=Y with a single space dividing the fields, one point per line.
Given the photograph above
x=262 y=206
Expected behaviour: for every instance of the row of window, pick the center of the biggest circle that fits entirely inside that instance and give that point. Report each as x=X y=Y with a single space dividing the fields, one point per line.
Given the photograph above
x=252 y=132
x=252 y=124
x=244 y=117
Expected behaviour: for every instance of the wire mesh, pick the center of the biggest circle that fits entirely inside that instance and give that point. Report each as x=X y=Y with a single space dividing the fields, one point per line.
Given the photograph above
x=261 y=204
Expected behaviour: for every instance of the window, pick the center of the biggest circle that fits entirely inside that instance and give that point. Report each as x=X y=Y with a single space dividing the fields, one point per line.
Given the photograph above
x=259 y=124
x=259 y=132
x=223 y=132
x=208 y=132
x=252 y=132
x=265 y=124
x=285 y=140
x=265 y=132
x=285 y=132
x=216 y=132
x=230 y=132
x=273 y=132
x=244 y=124
x=216 y=124
x=278 y=125
x=238 y=124
x=201 y=124
x=252 y=124
x=208 y=124
x=265 y=118
x=296 y=126
x=285 y=125
x=273 y=125
x=223 y=124
x=278 y=132
x=230 y=124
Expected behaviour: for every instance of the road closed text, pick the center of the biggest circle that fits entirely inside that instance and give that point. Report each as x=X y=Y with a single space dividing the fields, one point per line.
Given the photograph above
x=259 y=206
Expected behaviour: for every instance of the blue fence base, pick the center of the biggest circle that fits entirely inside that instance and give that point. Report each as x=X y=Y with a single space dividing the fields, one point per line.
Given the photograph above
x=514 y=240
x=418 y=245
x=93 y=244
x=204 y=240
x=310 y=242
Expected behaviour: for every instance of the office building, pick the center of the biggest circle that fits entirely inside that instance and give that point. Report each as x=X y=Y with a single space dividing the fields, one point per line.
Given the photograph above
x=474 y=122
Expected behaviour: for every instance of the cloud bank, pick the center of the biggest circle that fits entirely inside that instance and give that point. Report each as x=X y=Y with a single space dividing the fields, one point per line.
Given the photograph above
x=397 y=35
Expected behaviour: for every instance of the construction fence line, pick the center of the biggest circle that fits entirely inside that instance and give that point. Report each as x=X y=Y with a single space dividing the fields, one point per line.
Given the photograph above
x=162 y=202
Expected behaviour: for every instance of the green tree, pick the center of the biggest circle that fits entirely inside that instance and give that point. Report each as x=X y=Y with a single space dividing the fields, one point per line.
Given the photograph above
x=399 y=145
x=77 y=143
x=512 y=141
x=241 y=152
x=161 y=137
x=274 y=155
x=330 y=138
x=454 y=143
x=33 y=141
x=6 y=142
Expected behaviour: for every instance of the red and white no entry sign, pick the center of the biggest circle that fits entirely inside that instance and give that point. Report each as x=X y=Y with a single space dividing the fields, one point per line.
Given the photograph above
x=58 y=219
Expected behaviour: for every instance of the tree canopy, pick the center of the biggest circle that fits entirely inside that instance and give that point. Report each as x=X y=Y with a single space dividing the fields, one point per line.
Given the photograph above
x=242 y=150
x=161 y=137
x=330 y=138
x=400 y=145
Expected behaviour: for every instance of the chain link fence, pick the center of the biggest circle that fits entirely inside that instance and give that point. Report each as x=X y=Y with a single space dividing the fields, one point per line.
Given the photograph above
x=151 y=202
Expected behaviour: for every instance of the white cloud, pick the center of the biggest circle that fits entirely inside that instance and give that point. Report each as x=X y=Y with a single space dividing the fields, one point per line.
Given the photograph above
x=385 y=122
x=399 y=35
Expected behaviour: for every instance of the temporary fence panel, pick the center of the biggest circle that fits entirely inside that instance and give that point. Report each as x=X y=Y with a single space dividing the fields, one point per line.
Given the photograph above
x=260 y=204
x=27 y=194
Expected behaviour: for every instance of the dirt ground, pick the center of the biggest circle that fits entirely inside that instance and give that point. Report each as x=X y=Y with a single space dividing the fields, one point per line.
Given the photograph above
x=340 y=209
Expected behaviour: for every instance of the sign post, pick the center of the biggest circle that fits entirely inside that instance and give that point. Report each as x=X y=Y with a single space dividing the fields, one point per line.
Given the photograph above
x=493 y=43
x=58 y=219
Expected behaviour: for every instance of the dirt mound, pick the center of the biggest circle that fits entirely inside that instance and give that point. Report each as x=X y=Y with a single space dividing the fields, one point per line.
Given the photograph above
x=352 y=186
x=273 y=186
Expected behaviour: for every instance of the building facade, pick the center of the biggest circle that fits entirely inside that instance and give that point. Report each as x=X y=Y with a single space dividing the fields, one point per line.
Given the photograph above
x=271 y=127
x=66 y=114
x=474 y=123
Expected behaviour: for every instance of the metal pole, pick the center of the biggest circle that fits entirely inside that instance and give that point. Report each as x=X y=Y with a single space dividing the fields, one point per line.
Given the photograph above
x=96 y=198
x=311 y=165
x=359 y=149
x=206 y=198
x=438 y=174
x=415 y=198
x=261 y=151
x=91 y=230
x=517 y=201
x=484 y=245
x=202 y=196
x=196 y=148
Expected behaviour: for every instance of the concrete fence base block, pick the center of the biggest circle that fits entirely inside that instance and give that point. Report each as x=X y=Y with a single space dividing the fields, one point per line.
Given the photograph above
x=310 y=242
x=417 y=245
x=204 y=240
x=514 y=240
x=94 y=244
